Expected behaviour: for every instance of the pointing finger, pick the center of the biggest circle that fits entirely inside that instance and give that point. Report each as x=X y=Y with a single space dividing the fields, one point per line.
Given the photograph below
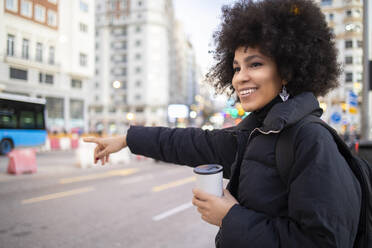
x=91 y=140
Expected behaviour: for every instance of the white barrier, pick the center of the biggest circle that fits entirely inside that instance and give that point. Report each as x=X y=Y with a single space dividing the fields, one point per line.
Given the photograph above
x=46 y=147
x=84 y=154
x=122 y=156
x=65 y=143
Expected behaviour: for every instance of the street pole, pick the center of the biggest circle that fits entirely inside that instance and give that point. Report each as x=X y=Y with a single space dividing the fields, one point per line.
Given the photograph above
x=365 y=103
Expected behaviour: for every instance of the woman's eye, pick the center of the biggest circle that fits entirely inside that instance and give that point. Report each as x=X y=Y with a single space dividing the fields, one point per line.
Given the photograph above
x=256 y=64
x=236 y=69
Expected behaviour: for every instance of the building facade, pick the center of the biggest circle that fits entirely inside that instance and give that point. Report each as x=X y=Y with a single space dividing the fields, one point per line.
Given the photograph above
x=47 y=51
x=342 y=106
x=136 y=64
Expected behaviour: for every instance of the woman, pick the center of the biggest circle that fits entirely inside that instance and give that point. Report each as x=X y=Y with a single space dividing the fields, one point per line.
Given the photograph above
x=276 y=56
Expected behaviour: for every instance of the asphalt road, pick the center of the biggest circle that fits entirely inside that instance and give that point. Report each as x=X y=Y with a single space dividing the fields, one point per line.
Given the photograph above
x=138 y=204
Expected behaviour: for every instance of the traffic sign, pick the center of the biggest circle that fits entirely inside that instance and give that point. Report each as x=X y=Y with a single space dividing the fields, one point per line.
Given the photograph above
x=336 y=117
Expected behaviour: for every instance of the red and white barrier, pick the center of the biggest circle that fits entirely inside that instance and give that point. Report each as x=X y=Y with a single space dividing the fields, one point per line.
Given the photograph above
x=22 y=161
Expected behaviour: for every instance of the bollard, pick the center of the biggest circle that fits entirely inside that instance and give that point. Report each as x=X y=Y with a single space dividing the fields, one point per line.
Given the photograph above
x=22 y=161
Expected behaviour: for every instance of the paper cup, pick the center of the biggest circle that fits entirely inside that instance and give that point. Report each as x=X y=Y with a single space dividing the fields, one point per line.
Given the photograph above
x=209 y=179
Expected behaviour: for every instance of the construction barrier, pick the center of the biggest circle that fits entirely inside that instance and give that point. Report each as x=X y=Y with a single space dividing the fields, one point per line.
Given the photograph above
x=85 y=154
x=22 y=161
x=54 y=143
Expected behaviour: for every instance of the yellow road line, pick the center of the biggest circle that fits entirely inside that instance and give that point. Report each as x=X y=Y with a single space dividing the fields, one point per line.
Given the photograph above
x=173 y=184
x=57 y=195
x=112 y=173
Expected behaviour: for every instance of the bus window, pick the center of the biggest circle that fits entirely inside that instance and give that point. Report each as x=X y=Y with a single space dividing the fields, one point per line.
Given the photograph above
x=8 y=118
x=26 y=120
x=40 y=120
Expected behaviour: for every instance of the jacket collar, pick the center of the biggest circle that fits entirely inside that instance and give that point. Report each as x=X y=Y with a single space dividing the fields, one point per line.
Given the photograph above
x=285 y=114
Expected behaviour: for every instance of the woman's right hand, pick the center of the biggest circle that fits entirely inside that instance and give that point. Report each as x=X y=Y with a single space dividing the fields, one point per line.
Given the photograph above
x=106 y=146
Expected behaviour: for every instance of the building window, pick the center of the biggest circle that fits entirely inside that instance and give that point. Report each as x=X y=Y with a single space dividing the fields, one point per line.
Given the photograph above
x=76 y=109
x=25 y=46
x=83 y=27
x=39 y=13
x=53 y=1
x=138 y=42
x=76 y=83
x=26 y=8
x=138 y=97
x=46 y=78
x=357 y=13
x=348 y=60
x=349 y=13
x=17 y=73
x=138 y=29
x=10 y=45
x=138 y=56
x=83 y=59
x=331 y=16
x=124 y=45
x=326 y=2
x=12 y=5
x=138 y=69
x=138 y=83
x=83 y=6
x=49 y=79
x=348 y=77
x=39 y=52
x=51 y=55
x=360 y=43
x=52 y=18
x=359 y=77
x=139 y=3
x=348 y=43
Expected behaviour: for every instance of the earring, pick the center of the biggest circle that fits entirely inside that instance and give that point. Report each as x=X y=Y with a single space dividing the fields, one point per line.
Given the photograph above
x=284 y=94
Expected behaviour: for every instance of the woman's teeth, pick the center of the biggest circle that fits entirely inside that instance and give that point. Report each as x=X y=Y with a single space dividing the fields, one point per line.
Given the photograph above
x=247 y=92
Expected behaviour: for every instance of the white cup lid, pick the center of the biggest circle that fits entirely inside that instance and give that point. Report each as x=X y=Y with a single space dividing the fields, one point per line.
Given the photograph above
x=208 y=169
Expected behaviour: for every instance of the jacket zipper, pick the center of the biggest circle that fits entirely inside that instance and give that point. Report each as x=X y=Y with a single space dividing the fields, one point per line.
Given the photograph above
x=263 y=132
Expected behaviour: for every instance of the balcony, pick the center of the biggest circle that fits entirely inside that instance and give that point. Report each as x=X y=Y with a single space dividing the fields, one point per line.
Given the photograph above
x=31 y=63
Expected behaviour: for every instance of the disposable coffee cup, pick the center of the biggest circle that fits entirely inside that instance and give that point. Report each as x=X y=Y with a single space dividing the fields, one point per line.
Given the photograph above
x=209 y=178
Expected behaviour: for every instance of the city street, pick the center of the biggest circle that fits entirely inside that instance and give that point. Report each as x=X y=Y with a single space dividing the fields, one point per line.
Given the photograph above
x=139 y=204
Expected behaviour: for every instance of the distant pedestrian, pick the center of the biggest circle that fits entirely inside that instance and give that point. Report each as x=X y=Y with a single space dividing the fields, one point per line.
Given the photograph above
x=276 y=57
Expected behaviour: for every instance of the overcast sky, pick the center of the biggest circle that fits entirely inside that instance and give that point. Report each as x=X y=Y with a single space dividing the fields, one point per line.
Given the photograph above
x=200 y=18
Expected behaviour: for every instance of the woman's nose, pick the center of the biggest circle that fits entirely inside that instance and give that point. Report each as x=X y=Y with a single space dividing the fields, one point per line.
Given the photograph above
x=242 y=76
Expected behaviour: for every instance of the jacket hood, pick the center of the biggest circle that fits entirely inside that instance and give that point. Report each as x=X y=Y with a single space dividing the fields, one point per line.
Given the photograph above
x=286 y=113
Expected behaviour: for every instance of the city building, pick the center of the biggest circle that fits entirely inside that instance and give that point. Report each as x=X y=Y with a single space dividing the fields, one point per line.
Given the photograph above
x=342 y=106
x=137 y=62
x=47 y=51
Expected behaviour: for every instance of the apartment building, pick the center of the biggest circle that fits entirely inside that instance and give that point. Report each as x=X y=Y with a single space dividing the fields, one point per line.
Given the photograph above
x=345 y=17
x=47 y=51
x=136 y=64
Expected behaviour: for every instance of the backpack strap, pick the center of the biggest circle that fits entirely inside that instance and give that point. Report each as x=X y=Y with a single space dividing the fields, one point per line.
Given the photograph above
x=285 y=151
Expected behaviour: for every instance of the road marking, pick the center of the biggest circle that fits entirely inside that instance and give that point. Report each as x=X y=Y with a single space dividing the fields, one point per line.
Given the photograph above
x=172 y=211
x=57 y=195
x=173 y=184
x=136 y=179
x=112 y=173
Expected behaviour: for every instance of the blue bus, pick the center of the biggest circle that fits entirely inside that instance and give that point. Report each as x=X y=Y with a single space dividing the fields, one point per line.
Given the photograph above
x=22 y=122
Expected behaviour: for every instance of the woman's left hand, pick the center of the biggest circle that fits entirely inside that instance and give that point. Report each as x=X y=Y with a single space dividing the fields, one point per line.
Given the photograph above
x=212 y=208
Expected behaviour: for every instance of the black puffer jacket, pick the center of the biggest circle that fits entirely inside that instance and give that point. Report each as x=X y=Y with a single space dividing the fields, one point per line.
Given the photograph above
x=321 y=207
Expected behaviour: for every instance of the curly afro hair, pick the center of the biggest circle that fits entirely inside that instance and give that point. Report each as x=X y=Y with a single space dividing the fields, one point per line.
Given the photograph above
x=293 y=33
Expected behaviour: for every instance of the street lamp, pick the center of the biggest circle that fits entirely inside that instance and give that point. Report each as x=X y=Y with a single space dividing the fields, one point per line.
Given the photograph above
x=130 y=116
x=116 y=84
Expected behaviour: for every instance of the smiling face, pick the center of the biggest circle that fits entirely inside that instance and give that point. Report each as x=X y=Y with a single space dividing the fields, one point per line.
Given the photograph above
x=256 y=80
